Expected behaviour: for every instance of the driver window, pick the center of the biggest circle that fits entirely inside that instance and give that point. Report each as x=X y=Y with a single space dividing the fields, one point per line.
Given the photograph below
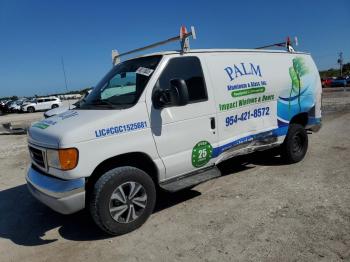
x=190 y=70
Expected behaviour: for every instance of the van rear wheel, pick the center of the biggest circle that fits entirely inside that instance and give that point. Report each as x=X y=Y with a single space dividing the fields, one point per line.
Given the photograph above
x=295 y=144
x=122 y=200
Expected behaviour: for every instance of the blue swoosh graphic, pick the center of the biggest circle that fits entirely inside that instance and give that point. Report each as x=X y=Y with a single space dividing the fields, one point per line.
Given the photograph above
x=293 y=97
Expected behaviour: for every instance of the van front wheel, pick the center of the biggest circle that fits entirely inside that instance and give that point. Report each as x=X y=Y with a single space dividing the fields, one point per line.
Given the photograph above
x=122 y=200
x=295 y=144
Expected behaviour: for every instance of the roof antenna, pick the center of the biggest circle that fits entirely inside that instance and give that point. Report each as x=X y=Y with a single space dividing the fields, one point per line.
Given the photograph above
x=65 y=79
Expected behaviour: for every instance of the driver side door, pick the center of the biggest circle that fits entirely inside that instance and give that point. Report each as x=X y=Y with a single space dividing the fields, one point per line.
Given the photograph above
x=185 y=135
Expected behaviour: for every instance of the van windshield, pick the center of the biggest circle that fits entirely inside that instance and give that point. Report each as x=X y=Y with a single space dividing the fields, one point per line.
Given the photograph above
x=123 y=85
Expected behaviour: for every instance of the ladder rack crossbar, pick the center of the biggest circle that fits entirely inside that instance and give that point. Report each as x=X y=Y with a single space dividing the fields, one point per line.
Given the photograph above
x=172 y=39
x=288 y=44
x=282 y=44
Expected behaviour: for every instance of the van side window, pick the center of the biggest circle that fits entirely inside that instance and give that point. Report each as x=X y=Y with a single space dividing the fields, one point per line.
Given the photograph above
x=190 y=70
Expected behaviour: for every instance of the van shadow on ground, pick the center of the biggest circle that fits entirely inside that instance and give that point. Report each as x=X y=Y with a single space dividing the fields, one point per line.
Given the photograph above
x=25 y=221
x=270 y=157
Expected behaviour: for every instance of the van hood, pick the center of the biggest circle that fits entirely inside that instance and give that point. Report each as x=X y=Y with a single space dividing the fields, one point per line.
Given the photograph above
x=74 y=126
x=57 y=111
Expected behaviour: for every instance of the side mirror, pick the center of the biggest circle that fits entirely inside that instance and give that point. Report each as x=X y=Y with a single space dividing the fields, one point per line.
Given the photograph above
x=176 y=95
x=179 y=92
x=161 y=98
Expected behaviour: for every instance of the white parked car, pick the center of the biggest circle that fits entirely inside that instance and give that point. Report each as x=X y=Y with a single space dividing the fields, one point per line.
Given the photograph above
x=40 y=104
x=166 y=120
x=60 y=110
x=13 y=106
x=16 y=105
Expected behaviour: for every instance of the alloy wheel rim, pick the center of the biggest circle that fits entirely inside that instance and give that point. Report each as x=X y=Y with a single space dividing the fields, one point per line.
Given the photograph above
x=127 y=202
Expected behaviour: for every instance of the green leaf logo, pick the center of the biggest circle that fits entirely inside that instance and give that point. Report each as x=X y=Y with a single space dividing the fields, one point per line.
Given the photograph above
x=296 y=72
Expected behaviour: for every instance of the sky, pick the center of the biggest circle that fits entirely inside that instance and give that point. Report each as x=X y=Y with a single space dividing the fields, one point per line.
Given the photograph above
x=35 y=35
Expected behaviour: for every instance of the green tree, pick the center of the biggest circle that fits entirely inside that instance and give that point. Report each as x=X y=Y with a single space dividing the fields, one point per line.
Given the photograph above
x=296 y=72
x=335 y=72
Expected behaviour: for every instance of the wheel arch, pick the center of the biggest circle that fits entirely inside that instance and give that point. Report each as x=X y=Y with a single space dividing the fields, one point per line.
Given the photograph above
x=135 y=159
x=31 y=106
x=301 y=118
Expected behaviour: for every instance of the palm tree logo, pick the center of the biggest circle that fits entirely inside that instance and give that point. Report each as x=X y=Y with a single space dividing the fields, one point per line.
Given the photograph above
x=296 y=72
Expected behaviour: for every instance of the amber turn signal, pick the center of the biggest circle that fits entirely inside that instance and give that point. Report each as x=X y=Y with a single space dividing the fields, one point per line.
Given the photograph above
x=68 y=158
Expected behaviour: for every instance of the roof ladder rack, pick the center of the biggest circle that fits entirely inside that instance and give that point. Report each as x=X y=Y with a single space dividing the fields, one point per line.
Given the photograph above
x=183 y=38
x=287 y=44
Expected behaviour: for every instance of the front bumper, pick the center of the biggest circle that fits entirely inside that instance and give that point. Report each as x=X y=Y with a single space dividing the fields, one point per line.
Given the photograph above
x=63 y=196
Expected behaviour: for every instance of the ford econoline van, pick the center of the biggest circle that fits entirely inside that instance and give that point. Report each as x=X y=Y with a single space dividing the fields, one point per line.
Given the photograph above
x=166 y=120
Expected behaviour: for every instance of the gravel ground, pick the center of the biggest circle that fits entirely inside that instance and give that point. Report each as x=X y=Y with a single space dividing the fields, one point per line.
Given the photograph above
x=335 y=99
x=259 y=210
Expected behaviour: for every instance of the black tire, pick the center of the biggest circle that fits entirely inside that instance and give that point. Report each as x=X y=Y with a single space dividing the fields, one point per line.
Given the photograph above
x=31 y=109
x=295 y=144
x=108 y=184
x=54 y=106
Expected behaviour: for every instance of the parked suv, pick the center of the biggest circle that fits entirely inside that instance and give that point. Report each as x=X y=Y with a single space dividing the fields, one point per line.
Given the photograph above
x=43 y=103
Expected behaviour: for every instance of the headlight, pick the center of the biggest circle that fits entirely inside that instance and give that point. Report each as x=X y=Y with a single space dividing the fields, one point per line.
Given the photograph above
x=64 y=159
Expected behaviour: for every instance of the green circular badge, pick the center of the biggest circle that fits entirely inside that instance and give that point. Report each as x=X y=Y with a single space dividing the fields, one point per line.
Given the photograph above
x=201 y=153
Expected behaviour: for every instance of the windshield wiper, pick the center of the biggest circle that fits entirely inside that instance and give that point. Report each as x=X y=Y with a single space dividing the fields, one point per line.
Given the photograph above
x=100 y=102
x=78 y=103
x=104 y=103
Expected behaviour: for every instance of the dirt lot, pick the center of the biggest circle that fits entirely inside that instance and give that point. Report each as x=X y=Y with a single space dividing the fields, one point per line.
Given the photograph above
x=260 y=210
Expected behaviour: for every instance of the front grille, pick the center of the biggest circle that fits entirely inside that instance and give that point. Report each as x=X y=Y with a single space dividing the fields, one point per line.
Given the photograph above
x=37 y=156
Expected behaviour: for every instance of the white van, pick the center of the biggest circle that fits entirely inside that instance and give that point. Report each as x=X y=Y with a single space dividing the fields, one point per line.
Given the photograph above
x=41 y=103
x=165 y=120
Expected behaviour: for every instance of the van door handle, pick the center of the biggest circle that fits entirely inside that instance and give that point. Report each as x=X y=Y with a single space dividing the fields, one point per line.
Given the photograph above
x=212 y=123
